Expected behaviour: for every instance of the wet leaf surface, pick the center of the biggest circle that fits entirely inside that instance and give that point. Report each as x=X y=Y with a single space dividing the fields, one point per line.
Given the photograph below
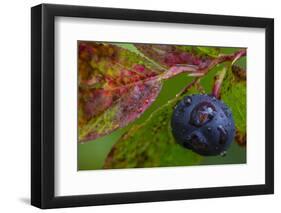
x=233 y=93
x=151 y=144
x=115 y=87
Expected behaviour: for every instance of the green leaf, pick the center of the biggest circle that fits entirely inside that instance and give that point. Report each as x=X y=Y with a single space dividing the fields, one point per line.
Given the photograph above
x=210 y=51
x=132 y=48
x=233 y=93
x=151 y=144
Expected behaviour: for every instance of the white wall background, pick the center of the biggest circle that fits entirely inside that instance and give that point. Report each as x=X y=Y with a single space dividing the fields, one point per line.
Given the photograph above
x=15 y=105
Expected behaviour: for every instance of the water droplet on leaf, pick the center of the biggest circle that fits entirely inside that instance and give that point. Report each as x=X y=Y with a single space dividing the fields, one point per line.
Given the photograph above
x=140 y=109
x=223 y=154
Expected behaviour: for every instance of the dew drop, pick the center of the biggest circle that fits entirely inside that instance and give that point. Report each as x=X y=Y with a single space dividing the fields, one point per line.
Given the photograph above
x=196 y=142
x=209 y=129
x=181 y=109
x=223 y=153
x=186 y=143
x=140 y=109
x=202 y=114
x=187 y=101
x=223 y=135
x=146 y=101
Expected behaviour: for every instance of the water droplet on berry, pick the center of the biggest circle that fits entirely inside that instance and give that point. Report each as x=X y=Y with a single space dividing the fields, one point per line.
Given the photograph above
x=181 y=109
x=187 y=101
x=186 y=143
x=197 y=125
x=195 y=141
x=202 y=114
x=223 y=135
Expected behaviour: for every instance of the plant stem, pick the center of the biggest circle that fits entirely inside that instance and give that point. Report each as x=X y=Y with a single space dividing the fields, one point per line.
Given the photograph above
x=196 y=71
x=219 y=78
x=218 y=83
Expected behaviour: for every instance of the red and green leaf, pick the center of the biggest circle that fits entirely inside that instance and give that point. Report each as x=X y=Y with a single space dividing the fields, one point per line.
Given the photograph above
x=171 y=55
x=115 y=87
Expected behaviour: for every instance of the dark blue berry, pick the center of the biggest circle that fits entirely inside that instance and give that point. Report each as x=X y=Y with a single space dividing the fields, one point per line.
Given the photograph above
x=203 y=124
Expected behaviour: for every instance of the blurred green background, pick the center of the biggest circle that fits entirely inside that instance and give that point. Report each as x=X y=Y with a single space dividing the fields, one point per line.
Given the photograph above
x=91 y=155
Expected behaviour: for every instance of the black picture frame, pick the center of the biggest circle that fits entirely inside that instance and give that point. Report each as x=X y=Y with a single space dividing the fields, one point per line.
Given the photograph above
x=43 y=105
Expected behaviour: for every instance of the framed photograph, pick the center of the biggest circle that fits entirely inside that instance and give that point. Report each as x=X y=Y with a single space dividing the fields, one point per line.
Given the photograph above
x=139 y=106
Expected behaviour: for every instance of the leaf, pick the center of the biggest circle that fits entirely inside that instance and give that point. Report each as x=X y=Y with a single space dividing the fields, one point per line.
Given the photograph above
x=170 y=55
x=239 y=73
x=115 y=87
x=210 y=51
x=151 y=144
x=233 y=93
x=132 y=48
